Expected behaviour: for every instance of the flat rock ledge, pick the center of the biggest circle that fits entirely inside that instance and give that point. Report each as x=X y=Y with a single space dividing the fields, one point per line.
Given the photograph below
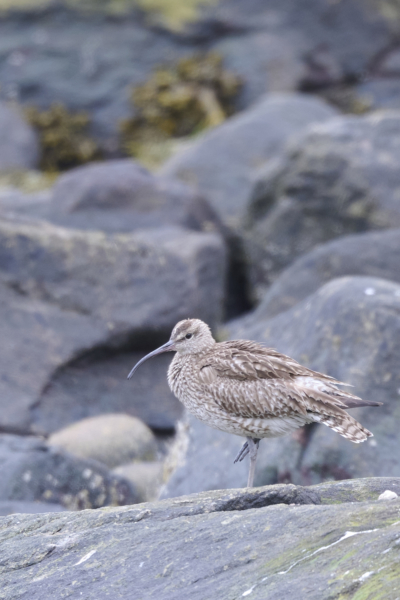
x=333 y=540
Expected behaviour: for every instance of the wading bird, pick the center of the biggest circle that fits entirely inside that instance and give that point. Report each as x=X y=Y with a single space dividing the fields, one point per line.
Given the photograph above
x=252 y=391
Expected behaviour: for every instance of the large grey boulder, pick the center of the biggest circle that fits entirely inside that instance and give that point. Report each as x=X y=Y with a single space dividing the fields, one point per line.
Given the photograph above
x=222 y=163
x=375 y=254
x=122 y=196
x=349 y=329
x=72 y=299
x=141 y=282
x=31 y=470
x=340 y=177
x=90 y=61
x=19 y=148
x=276 y=542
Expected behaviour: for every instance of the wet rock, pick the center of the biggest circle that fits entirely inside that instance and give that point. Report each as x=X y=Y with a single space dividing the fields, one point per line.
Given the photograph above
x=375 y=254
x=70 y=298
x=146 y=477
x=112 y=439
x=122 y=196
x=349 y=329
x=34 y=471
x=223 y=543
x=18 y=142
x=222 y=163
x=338 y=178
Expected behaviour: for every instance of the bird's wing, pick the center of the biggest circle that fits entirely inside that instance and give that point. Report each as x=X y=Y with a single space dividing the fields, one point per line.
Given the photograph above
x=245 y=360
x=269 y=398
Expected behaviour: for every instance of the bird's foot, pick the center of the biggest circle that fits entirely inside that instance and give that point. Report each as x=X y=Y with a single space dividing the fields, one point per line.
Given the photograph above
x=243 y=452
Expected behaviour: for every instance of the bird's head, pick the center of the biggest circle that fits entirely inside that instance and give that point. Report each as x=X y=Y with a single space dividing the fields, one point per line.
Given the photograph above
x=190 y=336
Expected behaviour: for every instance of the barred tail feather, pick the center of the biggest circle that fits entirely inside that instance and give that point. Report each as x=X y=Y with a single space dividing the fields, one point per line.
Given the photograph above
x=346 y=426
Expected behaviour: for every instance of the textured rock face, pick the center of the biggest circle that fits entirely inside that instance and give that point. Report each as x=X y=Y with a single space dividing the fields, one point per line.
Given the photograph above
x=18 y=143
x=33 y=471
x=277 y=542
x=222 y=163
x=121 y=196
x=72 y=298
x=349 y=329
x=341 y=177
x=374 y=254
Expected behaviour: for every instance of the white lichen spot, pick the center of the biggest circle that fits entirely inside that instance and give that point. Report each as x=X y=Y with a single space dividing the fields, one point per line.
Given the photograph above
x=247 y=592
x=27 y=476
x=365 y=576
x=85 y=558
x=388 y=495
x=369 y=291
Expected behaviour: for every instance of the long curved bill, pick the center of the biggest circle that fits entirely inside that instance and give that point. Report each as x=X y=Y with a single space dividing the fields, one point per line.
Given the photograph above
x=168 y=347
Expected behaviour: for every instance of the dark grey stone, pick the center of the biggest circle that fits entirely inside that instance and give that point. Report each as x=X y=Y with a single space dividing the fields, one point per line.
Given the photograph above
x=375 y=254
x=19 y=147
x=89 y=60
x=340 y=177
x=72 y=298
x=349 y=329
x=234 y=544
x=122 y=196
x=33 y=471
x=222 y=163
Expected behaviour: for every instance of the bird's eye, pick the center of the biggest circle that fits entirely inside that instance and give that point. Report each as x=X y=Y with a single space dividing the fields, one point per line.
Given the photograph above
x=188 y=336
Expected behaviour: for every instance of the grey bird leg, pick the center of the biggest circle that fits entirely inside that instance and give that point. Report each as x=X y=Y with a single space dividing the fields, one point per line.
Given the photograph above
x=243 y=452
x=253 y=449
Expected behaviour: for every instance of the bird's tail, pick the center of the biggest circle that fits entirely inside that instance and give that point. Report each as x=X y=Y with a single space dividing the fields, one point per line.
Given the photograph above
x=346 y=426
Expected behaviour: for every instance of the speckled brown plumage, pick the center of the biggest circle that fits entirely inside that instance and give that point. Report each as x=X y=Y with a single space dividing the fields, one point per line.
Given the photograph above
x=247 y=389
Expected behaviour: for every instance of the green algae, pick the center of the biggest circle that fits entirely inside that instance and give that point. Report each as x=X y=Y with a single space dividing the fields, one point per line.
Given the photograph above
x=64 y=138
x=177 y=101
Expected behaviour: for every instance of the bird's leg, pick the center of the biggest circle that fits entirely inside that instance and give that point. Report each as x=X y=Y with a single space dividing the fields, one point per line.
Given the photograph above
x=243 y=452
x=253 y=449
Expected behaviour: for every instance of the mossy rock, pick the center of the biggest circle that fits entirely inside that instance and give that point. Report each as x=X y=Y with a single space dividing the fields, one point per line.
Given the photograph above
x=64 y=138
x=178 y=100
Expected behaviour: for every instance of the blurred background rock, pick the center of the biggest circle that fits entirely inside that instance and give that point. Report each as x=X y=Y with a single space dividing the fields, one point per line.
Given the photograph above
x=232 y=160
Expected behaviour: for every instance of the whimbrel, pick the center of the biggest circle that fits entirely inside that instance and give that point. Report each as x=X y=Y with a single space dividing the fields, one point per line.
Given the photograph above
x=252 y=391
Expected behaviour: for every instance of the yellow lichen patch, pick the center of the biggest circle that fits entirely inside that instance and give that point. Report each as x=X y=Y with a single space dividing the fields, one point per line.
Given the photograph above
x=64 y=140
x=174 y=13
x=177 y=101
x=27 y=181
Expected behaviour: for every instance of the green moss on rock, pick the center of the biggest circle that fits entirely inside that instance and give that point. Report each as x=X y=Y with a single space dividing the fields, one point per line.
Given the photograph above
x=64 y=138
x=178 y=100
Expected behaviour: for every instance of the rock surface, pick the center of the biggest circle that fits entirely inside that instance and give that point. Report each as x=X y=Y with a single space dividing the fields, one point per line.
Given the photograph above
x=112 y=439
x=147 y=478
x=90 y=61
x=279 y=542
x=122 y=196
x=34 y=471
x=340 y=177
x=19 y=147
x=349 y=329
x=375 y=254
x=70 y=298
x=222 y=163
